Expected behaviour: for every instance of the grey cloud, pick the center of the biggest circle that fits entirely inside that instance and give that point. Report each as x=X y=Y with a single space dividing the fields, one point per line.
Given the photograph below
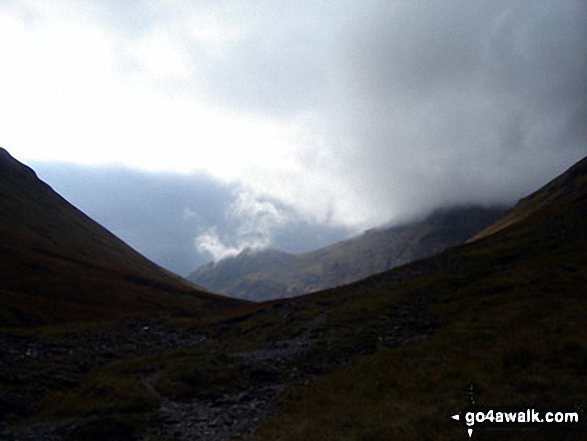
x=422 y=103
x=132 y=18
x=162 y=214
x=278 y=66
x=414 y=104
x=463 y=101
x=275 y=65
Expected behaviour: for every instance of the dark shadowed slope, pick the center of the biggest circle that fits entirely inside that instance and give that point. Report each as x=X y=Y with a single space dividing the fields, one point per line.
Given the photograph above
x=272 y=274
x=560 y=191
x=58 y=264
x=505 y=313
x=390 y=357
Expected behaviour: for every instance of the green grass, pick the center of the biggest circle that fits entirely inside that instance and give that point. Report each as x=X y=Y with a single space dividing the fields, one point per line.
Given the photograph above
x=510 y=315
x=199 y=375
x=119 y=387
x=112 y=389
x=409 y=393
x=505 y=314
x=112 y=428
x=58 y=265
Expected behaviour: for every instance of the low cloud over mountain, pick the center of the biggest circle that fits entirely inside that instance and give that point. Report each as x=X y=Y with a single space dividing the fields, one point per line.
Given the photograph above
x=350 y=112
x=184 y=221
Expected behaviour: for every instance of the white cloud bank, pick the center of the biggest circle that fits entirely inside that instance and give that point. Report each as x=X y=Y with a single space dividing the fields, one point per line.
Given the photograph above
x=255 y=223
x=352 y=112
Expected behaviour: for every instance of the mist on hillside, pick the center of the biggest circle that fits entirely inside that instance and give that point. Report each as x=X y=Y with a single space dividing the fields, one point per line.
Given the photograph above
x=291 y=126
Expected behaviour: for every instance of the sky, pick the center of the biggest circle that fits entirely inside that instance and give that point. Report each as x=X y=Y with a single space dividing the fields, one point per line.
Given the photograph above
x=195 y=129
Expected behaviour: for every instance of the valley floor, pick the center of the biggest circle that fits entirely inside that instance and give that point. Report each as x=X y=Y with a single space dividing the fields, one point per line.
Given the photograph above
x=140 y=378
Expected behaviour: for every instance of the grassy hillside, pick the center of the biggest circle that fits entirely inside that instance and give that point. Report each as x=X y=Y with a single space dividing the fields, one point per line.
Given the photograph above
x=272 y=274
x=389 y=357
x=509 y=314
x=561 y=189
x=57 y=264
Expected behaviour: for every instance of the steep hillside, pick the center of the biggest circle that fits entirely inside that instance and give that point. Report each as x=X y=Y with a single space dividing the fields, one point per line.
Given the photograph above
x=272 y=274
x=503 y=317
x=562 y=189
x=500 y=321
x=58 y=264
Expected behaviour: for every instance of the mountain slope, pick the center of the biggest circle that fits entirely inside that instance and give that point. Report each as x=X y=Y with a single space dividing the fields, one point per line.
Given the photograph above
x=392 y=356
x=563 y=189
x=58 y=264
x=274 y=274
x=504 y=314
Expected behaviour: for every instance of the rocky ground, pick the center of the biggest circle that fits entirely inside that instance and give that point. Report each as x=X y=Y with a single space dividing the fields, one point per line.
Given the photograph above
x=229 y=417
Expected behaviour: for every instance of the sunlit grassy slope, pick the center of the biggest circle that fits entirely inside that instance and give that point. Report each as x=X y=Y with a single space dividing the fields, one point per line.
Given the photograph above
x=510 y=312
x=57 y=264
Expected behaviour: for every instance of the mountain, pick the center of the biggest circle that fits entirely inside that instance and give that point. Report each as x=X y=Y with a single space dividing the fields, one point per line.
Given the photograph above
x=271 y=274
x=57 y=264
x=559 y=192
x=498 y=322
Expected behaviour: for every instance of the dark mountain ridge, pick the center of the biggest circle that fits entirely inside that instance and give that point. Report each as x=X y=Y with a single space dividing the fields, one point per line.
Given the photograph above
x=271 y=274
x=562 y=190
x=500 y=319
x=58 y=264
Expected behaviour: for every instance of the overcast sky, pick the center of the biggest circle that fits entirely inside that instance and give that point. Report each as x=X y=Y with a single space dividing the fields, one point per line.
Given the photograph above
x=182 y=221
x=283 y=117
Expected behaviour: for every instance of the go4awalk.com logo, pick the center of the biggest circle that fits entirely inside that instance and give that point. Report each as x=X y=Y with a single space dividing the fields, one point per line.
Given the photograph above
x=510 y=418
x=542 y=418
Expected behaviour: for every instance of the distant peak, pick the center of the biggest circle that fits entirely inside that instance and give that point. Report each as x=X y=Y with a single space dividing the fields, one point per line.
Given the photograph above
x=5 y=156
x=9 y=165
x=253 y=251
